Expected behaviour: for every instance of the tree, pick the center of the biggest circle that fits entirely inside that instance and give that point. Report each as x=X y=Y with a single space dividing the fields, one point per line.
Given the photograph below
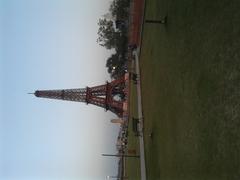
x=115 y=65
x=112 y=63
x=106 y=33
x=119 y=9
x=115 y=37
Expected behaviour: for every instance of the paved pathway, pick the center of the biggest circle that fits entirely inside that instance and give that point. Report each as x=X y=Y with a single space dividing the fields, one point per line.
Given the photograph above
x=140 y=116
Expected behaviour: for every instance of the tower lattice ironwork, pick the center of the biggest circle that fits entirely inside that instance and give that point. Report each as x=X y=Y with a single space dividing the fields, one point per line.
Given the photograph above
x=102 y=95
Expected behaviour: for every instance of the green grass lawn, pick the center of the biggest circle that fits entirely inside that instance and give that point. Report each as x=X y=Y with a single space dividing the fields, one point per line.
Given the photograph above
x=133 y=164
x=191 y=89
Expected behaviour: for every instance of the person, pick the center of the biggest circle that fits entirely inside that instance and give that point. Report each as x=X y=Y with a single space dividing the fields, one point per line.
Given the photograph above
x=134 y=77
x=132 y=47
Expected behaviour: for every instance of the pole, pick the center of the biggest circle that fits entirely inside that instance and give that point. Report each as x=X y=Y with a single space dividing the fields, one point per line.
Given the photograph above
x=116 y=177
x=162 y=21
x=121 y=155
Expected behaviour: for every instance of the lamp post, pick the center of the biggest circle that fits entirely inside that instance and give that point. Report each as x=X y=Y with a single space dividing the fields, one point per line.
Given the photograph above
x=115 y=177
x=112 y=177
x=121 y=155
x=162 y=21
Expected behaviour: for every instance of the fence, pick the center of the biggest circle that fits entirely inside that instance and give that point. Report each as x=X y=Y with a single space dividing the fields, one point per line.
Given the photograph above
x=135 y=21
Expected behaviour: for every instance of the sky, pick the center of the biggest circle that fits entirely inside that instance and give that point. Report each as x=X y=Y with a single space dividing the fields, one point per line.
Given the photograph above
x=51 y=44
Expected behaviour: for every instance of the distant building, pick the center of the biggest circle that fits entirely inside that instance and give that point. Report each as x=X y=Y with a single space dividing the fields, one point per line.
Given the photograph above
x=119 y=121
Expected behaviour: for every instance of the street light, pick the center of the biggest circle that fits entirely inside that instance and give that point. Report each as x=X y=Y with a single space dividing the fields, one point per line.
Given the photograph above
x=112 y=177
x=121 y=155
x=116 y=177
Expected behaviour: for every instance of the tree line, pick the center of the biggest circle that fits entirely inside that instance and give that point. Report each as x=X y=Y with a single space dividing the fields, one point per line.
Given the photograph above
x=113 y=34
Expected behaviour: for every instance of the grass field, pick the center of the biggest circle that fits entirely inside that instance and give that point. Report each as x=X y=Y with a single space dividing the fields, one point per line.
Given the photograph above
x=191 y=89
x=133 y=164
